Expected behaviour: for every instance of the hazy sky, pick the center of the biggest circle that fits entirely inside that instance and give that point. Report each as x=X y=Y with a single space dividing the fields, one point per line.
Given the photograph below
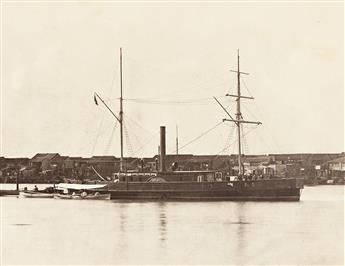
x=176 y=56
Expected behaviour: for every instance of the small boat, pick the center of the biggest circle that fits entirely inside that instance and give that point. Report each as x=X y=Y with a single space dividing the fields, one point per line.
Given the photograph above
x=35 y=194
x=82 y=191
x=82 y=197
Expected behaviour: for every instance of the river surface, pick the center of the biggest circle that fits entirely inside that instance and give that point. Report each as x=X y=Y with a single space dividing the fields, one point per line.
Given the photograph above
x=76 y=232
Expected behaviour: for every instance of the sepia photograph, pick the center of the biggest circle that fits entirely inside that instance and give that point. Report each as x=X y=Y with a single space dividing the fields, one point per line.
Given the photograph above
x=172 y=132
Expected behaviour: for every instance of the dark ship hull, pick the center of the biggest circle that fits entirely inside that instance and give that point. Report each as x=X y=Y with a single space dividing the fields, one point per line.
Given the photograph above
x=209 y=185
x=258 y=190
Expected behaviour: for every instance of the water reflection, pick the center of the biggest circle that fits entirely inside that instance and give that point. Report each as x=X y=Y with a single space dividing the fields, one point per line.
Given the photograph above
x=162 y=221
x=237 y=227
x=240 y=231
x=123 y=216
x=175 y=233
x=123 y=245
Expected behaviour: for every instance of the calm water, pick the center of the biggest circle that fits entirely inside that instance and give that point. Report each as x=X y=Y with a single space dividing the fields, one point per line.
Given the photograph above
x=50 y=231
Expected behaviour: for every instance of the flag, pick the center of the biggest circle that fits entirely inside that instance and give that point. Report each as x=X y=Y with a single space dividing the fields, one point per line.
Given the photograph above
x=95 y=99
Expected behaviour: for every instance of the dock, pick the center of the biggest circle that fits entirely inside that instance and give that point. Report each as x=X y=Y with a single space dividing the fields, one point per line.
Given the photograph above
x=8 y=192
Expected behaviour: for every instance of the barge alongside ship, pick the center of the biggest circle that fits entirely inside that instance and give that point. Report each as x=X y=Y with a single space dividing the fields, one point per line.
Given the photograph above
x=199 y=185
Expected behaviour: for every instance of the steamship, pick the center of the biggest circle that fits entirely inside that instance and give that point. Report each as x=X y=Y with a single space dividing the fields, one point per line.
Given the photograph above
x=208 y=185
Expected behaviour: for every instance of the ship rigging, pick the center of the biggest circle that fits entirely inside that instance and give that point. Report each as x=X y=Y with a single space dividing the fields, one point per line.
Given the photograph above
x=198 y=185
x=238 y=120
x=239 y=117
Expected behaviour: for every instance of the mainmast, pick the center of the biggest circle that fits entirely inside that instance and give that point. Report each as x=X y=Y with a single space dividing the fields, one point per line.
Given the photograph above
x=238 y=114
x=239 y=118
x=121 y=115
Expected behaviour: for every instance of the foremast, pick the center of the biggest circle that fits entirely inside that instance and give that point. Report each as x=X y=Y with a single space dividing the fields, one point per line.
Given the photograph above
x=119 y=118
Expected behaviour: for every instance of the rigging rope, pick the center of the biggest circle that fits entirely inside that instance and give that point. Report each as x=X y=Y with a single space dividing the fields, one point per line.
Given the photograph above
x=107 y=147
x=250 y=112
x=132 y=132
x=216 y=155
x=98 y=134
x=198 y=137
x=230 y=135
x=245 y=146
x=143 y=146
x=146 y=142
x=267 y=129
x=234 y=142
x=128 y=142
x=245 y=85
x=197 y=101
x=138 y=125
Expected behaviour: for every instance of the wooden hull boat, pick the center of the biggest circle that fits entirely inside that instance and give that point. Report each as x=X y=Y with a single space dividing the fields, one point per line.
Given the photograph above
x=82 y=191
x=80 y=197
x=35 y=194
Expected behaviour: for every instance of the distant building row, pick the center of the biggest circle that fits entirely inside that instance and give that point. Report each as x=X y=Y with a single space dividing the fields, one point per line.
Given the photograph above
x=53 y=165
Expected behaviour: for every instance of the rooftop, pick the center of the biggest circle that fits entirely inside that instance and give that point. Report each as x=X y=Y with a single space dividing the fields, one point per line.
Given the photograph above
x=39 y=157
x=338 y=160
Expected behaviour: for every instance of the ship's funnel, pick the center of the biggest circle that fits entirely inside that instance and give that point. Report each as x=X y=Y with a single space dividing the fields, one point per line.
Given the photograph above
x=162 y=150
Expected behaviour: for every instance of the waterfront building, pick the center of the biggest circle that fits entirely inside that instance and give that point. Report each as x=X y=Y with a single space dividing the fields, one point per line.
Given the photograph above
x=337 y=167
x=75 y=167
x=104 y=165
x=44 y=162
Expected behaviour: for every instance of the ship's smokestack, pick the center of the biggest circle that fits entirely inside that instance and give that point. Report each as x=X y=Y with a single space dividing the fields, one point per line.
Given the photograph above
x=162 y=150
